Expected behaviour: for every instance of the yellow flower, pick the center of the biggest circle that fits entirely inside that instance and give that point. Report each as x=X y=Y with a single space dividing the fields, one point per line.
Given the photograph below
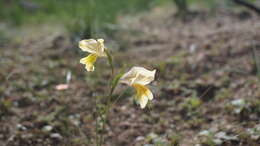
x=138 y=77
x=96 y=48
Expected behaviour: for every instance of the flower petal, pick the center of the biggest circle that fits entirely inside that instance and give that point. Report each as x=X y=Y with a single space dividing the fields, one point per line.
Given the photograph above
x=89 y=45
x=143 y=101
x=93 y=46
x=138 y=75
x=143 y=94
x=129 y=77
x=149 y=94
x=89 y=62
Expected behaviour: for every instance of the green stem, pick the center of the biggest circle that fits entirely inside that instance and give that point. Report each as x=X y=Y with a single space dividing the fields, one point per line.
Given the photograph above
x=109 y=104
x=97 y=141
x=110 y=60
x=109 y=98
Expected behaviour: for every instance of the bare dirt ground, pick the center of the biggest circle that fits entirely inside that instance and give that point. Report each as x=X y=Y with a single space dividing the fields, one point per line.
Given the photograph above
x=206 y=89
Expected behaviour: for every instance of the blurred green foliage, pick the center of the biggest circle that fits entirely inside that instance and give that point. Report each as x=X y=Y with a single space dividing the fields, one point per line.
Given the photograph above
x=22 y=11
x=82 y=17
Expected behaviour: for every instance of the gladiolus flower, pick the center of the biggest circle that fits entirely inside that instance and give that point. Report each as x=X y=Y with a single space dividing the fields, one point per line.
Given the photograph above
x=138 y=77
x=96 y=48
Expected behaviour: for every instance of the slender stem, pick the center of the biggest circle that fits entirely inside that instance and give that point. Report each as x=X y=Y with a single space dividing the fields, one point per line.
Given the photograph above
x=97 y=144
x=109 y=99
x=113 y=103
x=104 y=117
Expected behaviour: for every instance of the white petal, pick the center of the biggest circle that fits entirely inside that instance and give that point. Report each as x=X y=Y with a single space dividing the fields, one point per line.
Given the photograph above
x=90 y=67
x=143 y=101
x=143 y=94
x=129 y=77
x=138 y=75
x=88 y=45
x=93 y=46
x=149 y=94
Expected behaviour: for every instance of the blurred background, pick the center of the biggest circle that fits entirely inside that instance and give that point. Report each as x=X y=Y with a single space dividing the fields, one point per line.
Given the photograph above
x=83 y=18
x=206 y=53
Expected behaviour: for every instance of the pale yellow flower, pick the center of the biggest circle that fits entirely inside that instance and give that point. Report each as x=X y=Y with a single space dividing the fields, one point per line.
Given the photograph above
x=138 y=77
x=96 y=48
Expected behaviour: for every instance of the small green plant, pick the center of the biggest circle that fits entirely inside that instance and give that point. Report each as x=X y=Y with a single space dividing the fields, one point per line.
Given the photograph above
x=137 y=77
x=175 y=140
x=193 y=103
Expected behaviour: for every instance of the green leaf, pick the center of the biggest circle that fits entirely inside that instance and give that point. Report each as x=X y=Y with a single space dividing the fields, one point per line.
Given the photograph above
x=110 y=60
x=115 y=82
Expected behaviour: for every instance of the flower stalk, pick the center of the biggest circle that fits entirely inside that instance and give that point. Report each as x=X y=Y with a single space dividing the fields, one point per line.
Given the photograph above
x=137 y=77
